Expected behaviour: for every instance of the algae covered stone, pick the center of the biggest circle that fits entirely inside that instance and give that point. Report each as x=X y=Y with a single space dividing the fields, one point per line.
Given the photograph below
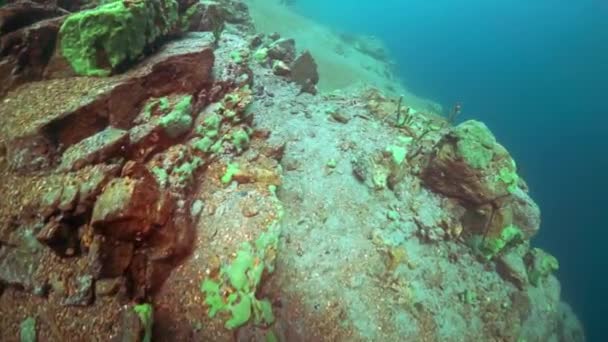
x=469 y=164
x=540 y=265
x=97 y=41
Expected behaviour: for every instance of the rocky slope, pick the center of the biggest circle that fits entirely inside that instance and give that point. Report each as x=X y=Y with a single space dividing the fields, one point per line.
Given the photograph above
x=178 y=176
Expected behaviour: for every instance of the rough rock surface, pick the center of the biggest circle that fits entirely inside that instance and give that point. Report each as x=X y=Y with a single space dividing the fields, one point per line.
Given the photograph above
x=201 y=194
x=304 y=72
x=50 y=115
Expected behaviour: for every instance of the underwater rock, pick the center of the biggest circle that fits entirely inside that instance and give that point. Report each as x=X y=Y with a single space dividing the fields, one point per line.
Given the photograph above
x=109 y=287
x=467 y=163
x=99 y=41
x=304 y=72
x=510 y=266
x=131 y=328
x=19 y=262
x=108 y=258
x=214 y=15
x=94 y=149
x=26 y=53
x=75 y=193
x=283 y=50
x=63 y=112
x=279 y=68
x=80 y=291
x=126 y=208
x=540 y=265
x=19 y=14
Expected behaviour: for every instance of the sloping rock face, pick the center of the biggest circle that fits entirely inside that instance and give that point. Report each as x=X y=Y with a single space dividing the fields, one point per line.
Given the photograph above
x=205 y=192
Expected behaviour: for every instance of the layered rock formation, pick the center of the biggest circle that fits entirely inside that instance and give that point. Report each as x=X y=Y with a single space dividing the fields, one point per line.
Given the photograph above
x=181 y=179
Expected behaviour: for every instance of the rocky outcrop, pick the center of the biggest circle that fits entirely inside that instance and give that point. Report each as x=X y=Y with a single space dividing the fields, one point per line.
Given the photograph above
x=470 y=166
x=28 y=33
x=304 y=73
x=69 y=117
x=126 y=208
x=240 y=205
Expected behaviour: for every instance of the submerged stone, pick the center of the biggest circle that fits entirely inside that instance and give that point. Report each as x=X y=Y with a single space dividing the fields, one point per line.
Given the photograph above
x=98 y=41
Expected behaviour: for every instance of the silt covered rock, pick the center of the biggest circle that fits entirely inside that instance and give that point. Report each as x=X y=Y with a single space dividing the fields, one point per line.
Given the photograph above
x=126 y=208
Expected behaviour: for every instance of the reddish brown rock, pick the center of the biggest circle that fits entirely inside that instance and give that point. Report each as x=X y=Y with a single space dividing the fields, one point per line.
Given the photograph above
x=283 y=50
x=304 y=72
x=109 y=258
x=23 y=13
x=26 y=53
x=466 y=164
x=126 y=209
x=131 y=328
x=43 y=116
x=469 y=165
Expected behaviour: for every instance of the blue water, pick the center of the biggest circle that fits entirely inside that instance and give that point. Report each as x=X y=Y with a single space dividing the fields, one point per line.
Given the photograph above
x=537 y=73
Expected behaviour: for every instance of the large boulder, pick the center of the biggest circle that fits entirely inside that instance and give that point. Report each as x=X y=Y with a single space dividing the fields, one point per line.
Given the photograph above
x=101 y=40
x=127 y=208
x=304 y=72
x=26 y=52
x=469 y=165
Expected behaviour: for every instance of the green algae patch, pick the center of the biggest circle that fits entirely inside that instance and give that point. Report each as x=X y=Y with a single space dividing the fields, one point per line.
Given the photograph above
x=97 y=41
x=27 y=330
x=233 y=292
x=179 y=120
x=492 y=246
x=261 y=55
x=145 y=312
x=231 y=170
x=509 y=177
x=240 y=140
x=475 y=144
x=242 y=277
x=540 y=265
x=398 y=153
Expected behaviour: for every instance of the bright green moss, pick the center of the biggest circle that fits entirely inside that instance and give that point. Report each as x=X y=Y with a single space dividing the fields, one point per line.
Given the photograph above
x=204 y=144
x=494 y=245
x=186 y=170
x=212 y=124
x=261 y=55
x=509 y=177
x=541 y=266
x=27 y=330
x=475 y=144
x=240 y=140
x=178 y=121
x=398 y=153
x=213 y=298
x=161 y=176
x=98 y=40
x=146 y=316
x=234 y=293
x=231 y=170
x=236 y=57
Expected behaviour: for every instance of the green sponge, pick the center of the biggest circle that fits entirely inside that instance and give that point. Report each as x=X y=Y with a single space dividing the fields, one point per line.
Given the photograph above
x=98 y=40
